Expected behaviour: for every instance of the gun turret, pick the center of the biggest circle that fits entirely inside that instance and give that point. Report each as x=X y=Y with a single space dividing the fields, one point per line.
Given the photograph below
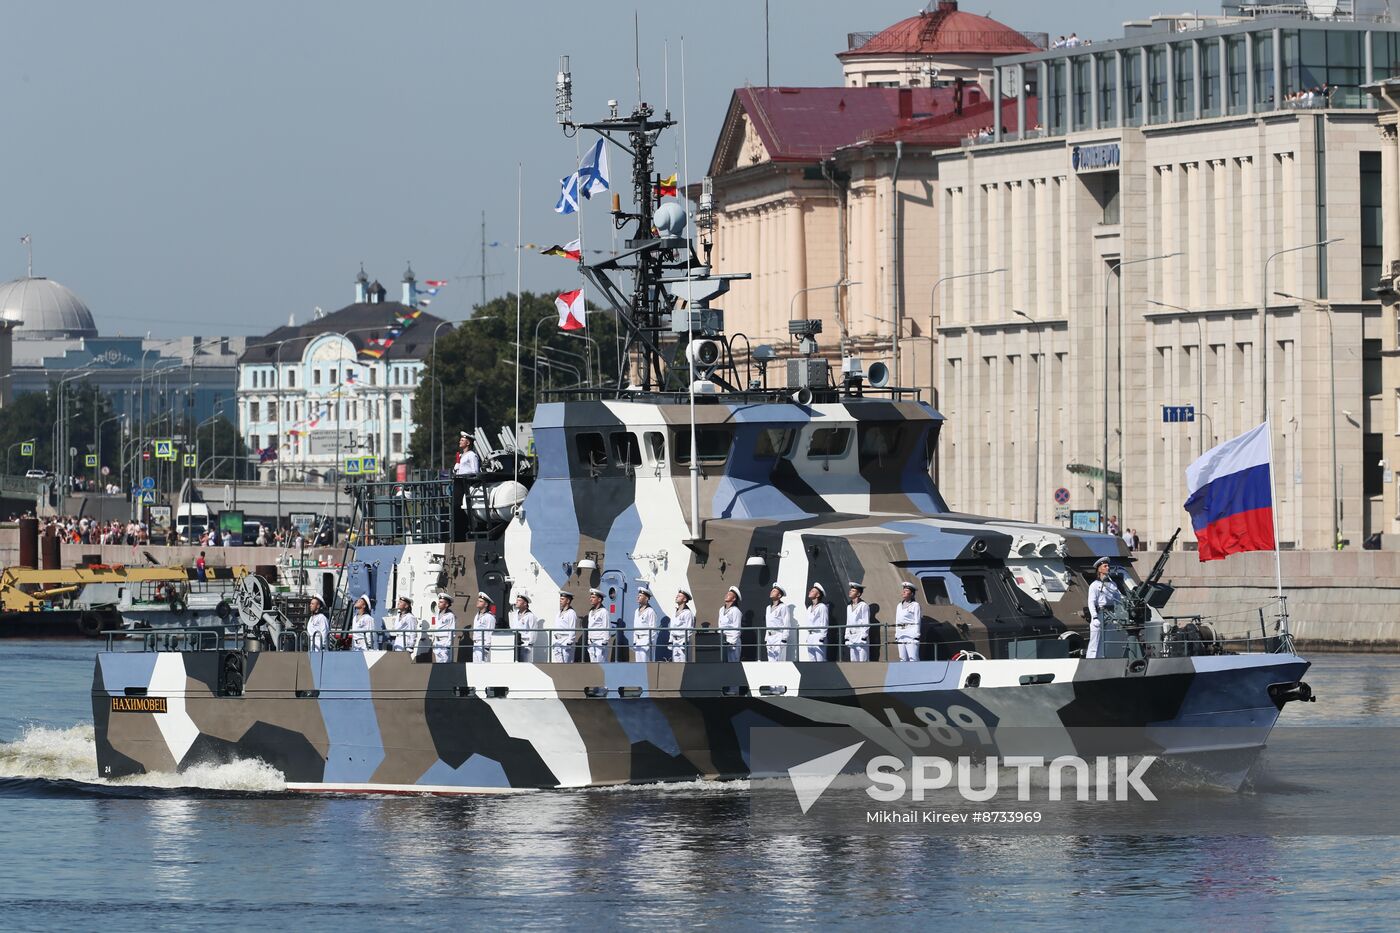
x=1153 y=593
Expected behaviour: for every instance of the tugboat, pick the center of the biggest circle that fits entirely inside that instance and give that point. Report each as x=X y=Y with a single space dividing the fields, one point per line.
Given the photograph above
x=693 y=474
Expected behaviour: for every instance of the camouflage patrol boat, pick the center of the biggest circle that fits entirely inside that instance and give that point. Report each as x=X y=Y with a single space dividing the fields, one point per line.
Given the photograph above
x=694 y=475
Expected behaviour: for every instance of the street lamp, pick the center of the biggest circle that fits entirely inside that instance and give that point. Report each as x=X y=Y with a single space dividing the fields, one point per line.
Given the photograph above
x=1326 y=307
x=933 y=315
x=98 y=439
x=1039 y=384
x=1116 y=267
x=1264 y=315
x=31 y=440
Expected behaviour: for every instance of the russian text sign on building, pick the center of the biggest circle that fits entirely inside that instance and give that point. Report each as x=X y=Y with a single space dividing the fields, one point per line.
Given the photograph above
x=1095 y=158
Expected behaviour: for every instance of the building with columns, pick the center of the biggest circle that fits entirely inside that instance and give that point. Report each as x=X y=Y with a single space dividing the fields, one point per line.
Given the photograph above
x=311 y=395
x=1197 y=224
x=1386 y=92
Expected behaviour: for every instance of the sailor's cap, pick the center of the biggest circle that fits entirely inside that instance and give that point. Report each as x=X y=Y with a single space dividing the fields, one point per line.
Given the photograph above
x=565 y=594
x=481 y=595
x=594 y=591
x=446 y=597
x=644 y=591
x=856 y=586
x=907 y=585
x=818 y=587
x=684 y=592
x=466 y=435
x=405 y=599
x=1101 y=562
x=781 y=591
x=524 y=596
x=737 y=594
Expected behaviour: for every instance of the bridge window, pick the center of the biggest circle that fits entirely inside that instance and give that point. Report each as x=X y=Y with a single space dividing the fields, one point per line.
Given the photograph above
x=656 y=446
x=590 y=449
x=774 y=443
x=713 y=444
x=827 y=443
x=975 y=588
x=626 y=452
x=879 y=441
x=936 y=591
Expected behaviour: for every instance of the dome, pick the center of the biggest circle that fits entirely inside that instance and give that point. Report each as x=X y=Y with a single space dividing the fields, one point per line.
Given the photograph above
x=945 y=30
x=44 y=309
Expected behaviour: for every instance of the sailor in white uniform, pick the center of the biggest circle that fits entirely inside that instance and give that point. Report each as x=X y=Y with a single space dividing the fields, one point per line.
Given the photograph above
x=366 y=632
x=406 y=626
x=857 y=624
x=318 y=627
x=816 y=623
x=444 y=629
x=1104 y=595
x=468 y=460
x=643 y=626
x=465 y=471
x=730 y=624
x=907 y=616
x=599 y=627
x=777 y=622
x=682 y=625
x=482 y=626
x=565 y=633
x=525 y=624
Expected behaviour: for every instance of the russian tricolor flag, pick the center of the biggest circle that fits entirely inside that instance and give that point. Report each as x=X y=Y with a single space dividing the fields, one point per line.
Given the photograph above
x=1231 y=499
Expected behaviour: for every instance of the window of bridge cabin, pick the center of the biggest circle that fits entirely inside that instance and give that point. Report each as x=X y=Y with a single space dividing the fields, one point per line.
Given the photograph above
x=713 y=443
x=774 y=443
x=656 y=446
x=590 y=449
x=626 y=451
x=879 y=442
x=828 y=443
x=975 y=588
x=936 y=591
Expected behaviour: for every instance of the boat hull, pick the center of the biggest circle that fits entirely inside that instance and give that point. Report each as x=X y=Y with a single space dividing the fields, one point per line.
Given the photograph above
x=378 y=722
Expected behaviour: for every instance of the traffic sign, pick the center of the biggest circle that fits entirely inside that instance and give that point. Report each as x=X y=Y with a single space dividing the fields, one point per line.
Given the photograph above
x=106 y=471
x=148 y=482
x=165 y=450
x=90 y=460
x=148 y=496
x=189 y=460
x=353 y=466
x=145 y=455
x=1061 y=496
x=369 y=464
x=1177 y=413
x=26 y=449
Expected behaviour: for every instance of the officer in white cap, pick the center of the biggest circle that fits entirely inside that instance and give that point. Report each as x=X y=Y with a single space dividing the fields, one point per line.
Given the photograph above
x=366 y=632
x=857 y=623
x=443 y=625
x=907 y=616
x=599 y=627
x=465 y=471
x=814 y=626
x=777 y=623
x=524 y=623
x=682 y=624
x=318 y=627
x=730 y=624
x=643 y=626
x=482 y=626
x=1104 y=596
x=565 y=632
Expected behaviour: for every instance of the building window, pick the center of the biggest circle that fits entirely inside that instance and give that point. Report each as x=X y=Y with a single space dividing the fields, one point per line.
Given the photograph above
x=1236 y=72
x=1326 y=59
x=1083 y=92
x=316 y=376
x=398 y=443
x=373 y=376
x=254 y=410
x=1210 y=78
x=396 y=409
x=1056 y=97
x=291 y=378
x=1104 y=187
x=1156 y=85
x=1385 y=54
x=1132 y=88
x=1371 y=223
x=1372 y=473
x=1371 y=383
x=1108 y=90
x=1184 y=82
x=1264 y=70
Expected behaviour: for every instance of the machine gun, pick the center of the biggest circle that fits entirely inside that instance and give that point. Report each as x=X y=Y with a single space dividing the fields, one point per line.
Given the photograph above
x=1153 y=593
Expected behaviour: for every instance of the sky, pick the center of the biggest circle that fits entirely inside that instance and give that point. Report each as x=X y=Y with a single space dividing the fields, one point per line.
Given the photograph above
x=218 y=168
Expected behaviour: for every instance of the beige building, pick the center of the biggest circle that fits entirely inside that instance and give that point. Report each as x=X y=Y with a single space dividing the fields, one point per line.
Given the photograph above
x=1152 y=149
x=1387 y=94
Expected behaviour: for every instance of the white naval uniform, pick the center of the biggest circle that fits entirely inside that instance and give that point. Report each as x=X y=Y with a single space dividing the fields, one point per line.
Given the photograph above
x=730 y=620
x=643 y=633
x=366 y=633
x=444 y=630
x=1103 y=594
x=318 y=632
x=858 y=630
x=907 y=616
x=406 y=628
x=682 y=624
x=814 y=632
x=525 y=623
x=599 y=628
x=777 y=620
x=482 y=626
x=561 y=640
x=468 y=463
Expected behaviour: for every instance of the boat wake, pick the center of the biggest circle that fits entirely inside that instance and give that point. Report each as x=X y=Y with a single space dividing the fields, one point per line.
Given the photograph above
x=63 y=763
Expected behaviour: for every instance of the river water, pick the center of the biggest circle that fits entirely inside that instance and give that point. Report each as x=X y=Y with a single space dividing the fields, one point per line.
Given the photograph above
x=224 y=848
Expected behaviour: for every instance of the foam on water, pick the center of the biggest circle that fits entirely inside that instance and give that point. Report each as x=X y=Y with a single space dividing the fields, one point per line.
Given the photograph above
x=69 y=754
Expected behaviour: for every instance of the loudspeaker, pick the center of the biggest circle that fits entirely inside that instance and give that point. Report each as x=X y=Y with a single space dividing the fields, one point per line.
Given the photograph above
x=878 y=376
x=802 y=396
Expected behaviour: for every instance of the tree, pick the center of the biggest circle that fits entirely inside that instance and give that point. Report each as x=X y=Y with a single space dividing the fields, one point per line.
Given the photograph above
x=220 y=446
x=34 y=415
x=472 y=380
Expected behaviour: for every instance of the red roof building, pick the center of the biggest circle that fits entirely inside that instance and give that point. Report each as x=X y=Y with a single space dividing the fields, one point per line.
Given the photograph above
x=935 y=46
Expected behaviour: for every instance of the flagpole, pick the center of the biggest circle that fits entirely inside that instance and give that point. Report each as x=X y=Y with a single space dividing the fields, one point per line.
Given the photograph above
x=694 y=451
x=1273 y=513
x=519 y=221
x=583 y=279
